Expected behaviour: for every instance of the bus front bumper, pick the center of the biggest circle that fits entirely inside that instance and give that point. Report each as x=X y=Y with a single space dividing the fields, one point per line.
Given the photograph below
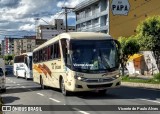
x=89 y=86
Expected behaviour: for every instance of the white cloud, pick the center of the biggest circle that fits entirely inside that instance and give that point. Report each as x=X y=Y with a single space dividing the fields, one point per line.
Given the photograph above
x=69 y=3
x=20 y=14
x=28 y=27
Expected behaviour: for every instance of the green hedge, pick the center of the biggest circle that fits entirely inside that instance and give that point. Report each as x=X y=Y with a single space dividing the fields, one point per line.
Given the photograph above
x=154 y=80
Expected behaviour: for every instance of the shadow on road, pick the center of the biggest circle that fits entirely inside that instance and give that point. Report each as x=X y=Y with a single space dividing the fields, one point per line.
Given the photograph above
x=123 y=93
x=21 y=90
x=9 y=99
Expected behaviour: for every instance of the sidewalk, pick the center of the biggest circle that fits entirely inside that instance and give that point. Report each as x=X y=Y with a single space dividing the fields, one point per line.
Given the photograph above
x=142 y=85
x=143 y=76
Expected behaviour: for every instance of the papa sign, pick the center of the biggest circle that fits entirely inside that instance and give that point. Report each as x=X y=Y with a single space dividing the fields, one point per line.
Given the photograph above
x=120 y=7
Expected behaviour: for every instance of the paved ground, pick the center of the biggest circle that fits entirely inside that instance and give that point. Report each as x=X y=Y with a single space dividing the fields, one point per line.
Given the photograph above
x=22 y=92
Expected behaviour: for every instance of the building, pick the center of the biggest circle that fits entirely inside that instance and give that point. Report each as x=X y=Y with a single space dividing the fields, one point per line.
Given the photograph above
x=2 y=48
x=7 y=46
x=92 y=15
x=26 y=44
x=138 y=11
x=50 y=31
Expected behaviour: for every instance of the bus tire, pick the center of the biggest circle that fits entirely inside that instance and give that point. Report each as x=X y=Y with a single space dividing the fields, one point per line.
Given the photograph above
x=4 y=90
x=102 y=92
x=62 y=87
x=41 y=83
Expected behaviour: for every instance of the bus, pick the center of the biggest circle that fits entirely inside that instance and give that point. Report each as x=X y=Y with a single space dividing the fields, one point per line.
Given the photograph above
x=22 y=66
x=77 y=61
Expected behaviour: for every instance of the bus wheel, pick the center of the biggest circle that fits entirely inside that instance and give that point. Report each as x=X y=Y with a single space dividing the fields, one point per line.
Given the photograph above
x=63 y=90
x=17 y=74
x=41 y=83
x=25 y=76
x=103 y=92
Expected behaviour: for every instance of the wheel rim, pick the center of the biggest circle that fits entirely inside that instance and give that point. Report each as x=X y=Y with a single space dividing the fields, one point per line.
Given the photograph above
x=17 y=74
x=63 y=87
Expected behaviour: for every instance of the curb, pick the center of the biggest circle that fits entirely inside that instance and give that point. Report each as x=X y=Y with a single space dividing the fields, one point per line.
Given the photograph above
x=143 y=85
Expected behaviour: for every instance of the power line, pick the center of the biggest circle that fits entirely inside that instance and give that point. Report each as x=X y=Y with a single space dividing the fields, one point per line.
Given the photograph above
x=66 y=13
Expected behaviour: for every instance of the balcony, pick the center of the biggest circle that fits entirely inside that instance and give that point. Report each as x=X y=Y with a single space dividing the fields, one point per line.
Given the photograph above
x=84 y=4
x=96 y=15
x=94 y=28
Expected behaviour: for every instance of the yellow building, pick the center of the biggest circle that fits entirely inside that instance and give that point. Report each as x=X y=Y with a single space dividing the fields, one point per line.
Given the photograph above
x=139 y=10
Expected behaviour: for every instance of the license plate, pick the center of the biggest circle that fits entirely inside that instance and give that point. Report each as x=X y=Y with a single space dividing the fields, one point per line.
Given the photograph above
x=100 y=89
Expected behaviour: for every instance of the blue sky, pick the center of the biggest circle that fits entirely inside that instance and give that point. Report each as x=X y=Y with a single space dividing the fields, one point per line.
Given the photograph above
x=17 y=17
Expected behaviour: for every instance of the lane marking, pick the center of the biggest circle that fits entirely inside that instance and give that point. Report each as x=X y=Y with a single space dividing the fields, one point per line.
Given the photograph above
x=83 y=112
x=23 y=87
x=14 y=82
x=18 y=84
x=40 y=94
x=54 y=100
x=151 y=100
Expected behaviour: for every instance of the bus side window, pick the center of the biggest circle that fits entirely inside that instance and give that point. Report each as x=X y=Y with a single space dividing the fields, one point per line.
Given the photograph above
x=52 y=52
x=64 y=49
x=49 y=52
x=56 y=51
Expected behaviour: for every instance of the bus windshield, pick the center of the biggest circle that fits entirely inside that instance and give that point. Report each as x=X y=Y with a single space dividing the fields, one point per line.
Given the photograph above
x=94 y=55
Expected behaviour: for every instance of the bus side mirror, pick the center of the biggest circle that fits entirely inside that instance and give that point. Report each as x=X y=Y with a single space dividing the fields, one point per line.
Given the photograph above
x=118 y=44
x=68 y=61
x=118 y=48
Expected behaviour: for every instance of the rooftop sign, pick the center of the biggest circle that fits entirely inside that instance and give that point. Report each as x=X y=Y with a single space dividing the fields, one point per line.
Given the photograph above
x=120 y=7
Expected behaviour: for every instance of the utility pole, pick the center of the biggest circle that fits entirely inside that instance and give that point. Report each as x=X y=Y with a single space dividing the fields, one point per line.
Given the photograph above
x=36 y=22
x=66 y=13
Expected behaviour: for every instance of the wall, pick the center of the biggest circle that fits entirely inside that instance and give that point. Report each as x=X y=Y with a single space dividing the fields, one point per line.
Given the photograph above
x=121 y=25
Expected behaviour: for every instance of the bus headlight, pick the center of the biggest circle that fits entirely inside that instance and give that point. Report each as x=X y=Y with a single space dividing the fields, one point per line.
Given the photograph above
x=80 y=78
x=116 y=76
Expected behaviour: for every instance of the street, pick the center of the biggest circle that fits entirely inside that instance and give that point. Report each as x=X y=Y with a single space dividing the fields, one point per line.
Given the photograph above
x=23 y=92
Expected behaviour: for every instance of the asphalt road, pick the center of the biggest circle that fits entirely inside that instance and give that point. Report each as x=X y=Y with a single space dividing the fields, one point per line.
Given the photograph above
x=22 y=92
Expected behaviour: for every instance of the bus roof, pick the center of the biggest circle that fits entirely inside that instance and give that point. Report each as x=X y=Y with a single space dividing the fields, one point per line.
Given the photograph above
x=27 y=53
x=76 y=36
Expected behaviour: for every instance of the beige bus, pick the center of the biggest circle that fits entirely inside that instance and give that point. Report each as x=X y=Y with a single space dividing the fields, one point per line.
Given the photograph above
x=77 y=61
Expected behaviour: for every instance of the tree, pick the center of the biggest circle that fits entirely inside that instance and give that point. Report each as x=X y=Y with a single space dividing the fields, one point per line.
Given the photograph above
x=148 y=33
x=129 y=46
x=8 y=58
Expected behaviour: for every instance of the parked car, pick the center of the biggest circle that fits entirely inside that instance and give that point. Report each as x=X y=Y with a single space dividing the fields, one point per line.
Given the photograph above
x=9 y=70
x=126 y=72
x=2 y=81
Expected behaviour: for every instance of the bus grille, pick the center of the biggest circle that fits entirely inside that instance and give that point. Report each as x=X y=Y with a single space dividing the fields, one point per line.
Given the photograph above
x=100 y=86
x=99 y=80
